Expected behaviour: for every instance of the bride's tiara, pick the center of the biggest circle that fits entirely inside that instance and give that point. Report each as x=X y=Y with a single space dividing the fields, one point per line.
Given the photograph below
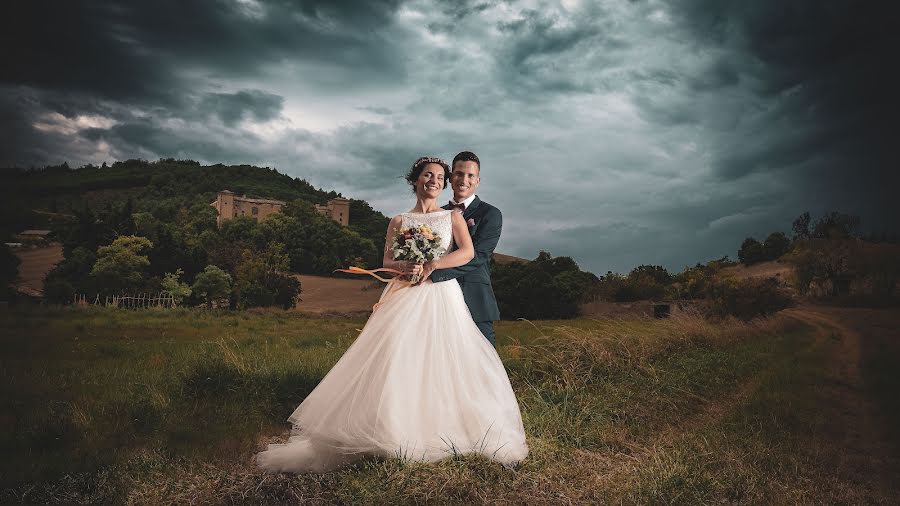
x=429 y=159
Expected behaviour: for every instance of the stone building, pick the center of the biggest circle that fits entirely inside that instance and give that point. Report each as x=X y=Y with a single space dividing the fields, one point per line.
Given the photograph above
x=229 y=205
x=338 y=209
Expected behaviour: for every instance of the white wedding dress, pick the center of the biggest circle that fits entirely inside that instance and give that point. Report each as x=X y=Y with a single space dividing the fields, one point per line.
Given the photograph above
x=420 y=383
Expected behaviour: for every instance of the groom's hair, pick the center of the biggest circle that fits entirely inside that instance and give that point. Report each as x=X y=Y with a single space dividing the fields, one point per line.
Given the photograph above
x=466 y=156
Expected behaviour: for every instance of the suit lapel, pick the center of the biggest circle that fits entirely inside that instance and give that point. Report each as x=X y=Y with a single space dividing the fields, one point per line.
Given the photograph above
x=470 y=210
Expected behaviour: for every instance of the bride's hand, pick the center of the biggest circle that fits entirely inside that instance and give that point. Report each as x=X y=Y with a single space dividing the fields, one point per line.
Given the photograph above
x=405 y=266
x=427 y=269
x=415 y=270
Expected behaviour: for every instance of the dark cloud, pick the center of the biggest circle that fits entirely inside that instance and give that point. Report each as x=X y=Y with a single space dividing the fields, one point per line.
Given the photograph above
x=719 y=74
x=545 y=53
x=825 y=99
x=619 y=133
x=233 y=107
x=138 y=50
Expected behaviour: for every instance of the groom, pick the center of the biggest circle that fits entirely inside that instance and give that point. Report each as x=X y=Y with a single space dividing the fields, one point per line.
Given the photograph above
x=485 y=222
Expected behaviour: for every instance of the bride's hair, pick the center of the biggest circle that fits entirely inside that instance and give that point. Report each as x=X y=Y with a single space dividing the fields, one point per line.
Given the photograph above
x=416 y=170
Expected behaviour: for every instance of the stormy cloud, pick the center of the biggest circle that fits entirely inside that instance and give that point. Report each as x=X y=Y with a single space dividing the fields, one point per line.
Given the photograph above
x=619 y=133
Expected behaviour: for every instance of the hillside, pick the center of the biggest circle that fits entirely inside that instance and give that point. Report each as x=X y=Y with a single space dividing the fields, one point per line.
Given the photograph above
x=164 y=186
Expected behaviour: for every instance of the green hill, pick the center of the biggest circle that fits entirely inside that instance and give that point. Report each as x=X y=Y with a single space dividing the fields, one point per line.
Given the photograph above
x=164 y=187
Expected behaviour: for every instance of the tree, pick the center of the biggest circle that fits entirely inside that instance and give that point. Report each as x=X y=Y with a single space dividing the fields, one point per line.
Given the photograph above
x=836 y=225
x=776 y=245
x=824 y=260
x=655 y=273
x=287 y=290
x=261 y=278
x=58 y=290
x=176 y=288
x=88 y=232
x=547 y=287
x=694 y=282
x=120 y=266
x=751 y=251
x=801 y=226
x=241 y=229
x=200 y=217
x=72 y=275
x=146 y=225
x=213 y=284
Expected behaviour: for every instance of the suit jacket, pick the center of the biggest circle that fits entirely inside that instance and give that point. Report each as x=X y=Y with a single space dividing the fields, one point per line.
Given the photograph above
x=475 y=277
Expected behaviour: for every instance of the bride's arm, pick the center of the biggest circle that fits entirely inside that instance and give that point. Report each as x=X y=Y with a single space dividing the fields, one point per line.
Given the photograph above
x=464 y=249
x=388 y=259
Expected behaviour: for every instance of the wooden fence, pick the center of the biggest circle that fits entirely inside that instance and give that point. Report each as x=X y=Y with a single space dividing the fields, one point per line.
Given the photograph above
x=163 y=300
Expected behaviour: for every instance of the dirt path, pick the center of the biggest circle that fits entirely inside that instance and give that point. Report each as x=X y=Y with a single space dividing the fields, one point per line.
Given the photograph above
x=858 y=415
x=322 y=294
x=36 y=263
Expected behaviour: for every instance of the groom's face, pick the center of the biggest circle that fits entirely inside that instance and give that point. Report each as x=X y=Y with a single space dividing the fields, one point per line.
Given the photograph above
x=464 y=179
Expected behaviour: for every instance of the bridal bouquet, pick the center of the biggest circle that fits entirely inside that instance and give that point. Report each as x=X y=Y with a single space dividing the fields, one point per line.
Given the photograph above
x=416 y=244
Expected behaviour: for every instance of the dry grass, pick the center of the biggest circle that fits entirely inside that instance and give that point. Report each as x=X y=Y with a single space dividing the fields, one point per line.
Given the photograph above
x=773 y=269
x=636 y=411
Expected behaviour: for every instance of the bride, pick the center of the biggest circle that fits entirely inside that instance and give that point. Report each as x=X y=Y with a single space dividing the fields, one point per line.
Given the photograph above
x=420 y=382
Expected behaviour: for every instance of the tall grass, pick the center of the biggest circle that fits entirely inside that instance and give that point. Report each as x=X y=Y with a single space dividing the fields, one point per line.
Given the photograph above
x=169 y=407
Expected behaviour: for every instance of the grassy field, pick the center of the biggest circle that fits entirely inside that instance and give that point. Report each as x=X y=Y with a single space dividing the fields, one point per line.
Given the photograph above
x=103 y=405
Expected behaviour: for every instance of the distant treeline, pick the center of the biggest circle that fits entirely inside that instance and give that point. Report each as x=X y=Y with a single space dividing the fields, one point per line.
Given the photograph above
x=139 y=226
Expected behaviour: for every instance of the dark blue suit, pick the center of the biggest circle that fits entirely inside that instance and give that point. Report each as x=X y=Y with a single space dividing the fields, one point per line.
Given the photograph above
x=475 y=277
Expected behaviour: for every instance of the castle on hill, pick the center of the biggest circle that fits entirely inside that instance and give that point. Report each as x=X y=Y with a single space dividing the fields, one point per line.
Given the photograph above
x=229 y=205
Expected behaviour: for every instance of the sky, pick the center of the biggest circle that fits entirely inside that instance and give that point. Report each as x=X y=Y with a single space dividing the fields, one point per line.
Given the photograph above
x=616 y=132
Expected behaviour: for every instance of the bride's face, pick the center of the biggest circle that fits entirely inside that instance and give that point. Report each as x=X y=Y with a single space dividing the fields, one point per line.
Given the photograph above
x=431 y=181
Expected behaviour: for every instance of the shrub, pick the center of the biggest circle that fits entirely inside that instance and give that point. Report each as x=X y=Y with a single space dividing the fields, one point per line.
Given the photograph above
x=645 y=282
x=213 y=284
x=121 y=266
x=776 y=245
x=287 y=290
x=178 y=289
x=58 y=291
x=639 y=288
x=256 y=295
x=747 y=299
x=545 y=288
x=751 y=251
x=261 y=279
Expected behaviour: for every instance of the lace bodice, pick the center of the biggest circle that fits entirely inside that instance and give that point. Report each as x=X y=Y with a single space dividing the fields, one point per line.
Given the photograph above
x=439 y=222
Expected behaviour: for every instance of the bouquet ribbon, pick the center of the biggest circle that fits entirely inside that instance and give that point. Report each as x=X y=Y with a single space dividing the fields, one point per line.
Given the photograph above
x=374 y=274
x=395 y=283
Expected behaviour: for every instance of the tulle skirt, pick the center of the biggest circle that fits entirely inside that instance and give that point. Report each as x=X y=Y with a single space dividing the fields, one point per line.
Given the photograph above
x=420 y=383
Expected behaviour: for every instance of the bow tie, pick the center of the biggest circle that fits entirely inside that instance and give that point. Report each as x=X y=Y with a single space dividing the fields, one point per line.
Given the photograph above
x=460 y=206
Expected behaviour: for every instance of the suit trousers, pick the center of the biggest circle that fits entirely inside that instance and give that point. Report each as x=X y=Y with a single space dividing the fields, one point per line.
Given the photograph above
x=487 y=328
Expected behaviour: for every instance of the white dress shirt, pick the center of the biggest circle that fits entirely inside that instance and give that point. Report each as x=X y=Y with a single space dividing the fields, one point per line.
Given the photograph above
x=466 y=202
